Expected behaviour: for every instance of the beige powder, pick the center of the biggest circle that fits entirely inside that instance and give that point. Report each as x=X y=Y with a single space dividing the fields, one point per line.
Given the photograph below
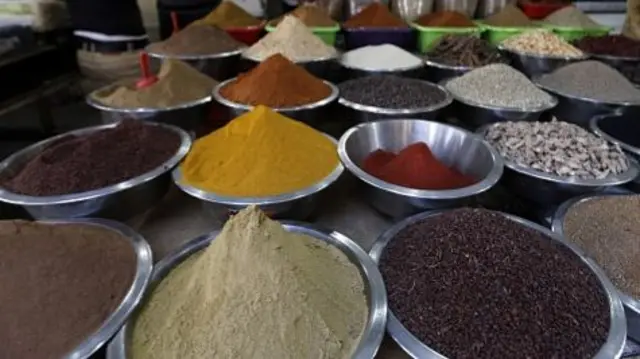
x=257 y=291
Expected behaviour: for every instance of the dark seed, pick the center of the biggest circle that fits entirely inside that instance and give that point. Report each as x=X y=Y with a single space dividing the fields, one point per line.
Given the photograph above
x=391 y=92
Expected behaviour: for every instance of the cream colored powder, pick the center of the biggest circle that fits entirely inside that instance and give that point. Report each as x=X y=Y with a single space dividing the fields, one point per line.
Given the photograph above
x=256 y=292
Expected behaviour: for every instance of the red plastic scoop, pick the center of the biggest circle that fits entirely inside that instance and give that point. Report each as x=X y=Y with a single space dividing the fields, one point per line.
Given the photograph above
x=147 y=78
x=174 y=22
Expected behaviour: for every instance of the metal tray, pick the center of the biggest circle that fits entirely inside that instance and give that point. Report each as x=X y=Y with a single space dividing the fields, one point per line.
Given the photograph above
x=374 y=286
x=612 y=348
x=631 y=305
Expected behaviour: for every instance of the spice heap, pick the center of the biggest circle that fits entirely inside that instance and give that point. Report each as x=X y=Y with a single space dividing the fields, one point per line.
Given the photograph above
x=374 y=15
x=499 y=85
x=603 y=82
x=310 y=15
x=289 y=85
x=385 y=57
x=391 y=92
x=509 y=16
x=196 y=40
x=541 y=42
x=558 y=148
x=570 y=16
x=260 y=153
x=445 y=19
x=613 y=45
x=255 y=284
x=60 y=283
x=607 y=229
x=415 y=167
x=97 y=160
x=228 y=15
x=464 y=50
x=178 y=84
x=293 y=40
x=470 y=283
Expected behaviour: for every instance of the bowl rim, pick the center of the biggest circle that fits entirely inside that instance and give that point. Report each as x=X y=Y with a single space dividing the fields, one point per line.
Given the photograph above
x=536 y=81
x=332 y=57
x=507 y=28
x=399 y=111
x=27 y=200
x=622 y=178
x=334 y=28
x=257 y=27
x=448 y=29
x=610 y=57
x=576 y=28
x=393 y=29
x=552 y=104
x=506 y=49
x=480 y=186
x=595 y=128
x=374 y=329
x=217 y=96
x=414 y=347
x=429 y=62
x=187 y=57
x=211 y=197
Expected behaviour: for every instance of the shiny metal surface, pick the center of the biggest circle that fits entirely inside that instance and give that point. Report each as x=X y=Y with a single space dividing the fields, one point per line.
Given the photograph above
x=536 y=65
x=454 y=146
x=416 y=72
x=467 y=7
x=297 y=205
x=438 y=72
x=410 y=10
x=221 y=66
x=144 y=266
x=487 y=8
x=612 y=348
x=332 y=7
x=374 y=285
x=548 y=189
x=312 y=114
x=631 y=305
x=188 y=116
x=366 y=113
x=327 y=68
x=121 y=200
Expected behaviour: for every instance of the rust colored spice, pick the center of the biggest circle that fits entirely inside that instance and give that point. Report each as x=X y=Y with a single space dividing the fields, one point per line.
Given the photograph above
x=374 y=15
x=276 y=82
x=415 y=167
x=445 y=19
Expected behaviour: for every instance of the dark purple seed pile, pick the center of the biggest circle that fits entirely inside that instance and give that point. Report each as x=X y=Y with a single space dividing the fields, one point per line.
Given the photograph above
x=472 y=284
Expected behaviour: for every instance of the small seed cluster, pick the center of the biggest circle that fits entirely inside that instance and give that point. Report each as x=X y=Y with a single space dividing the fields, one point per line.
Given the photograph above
x=543 y=43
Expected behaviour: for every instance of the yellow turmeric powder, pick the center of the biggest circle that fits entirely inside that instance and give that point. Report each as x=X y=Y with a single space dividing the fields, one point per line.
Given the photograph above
x=261 y=153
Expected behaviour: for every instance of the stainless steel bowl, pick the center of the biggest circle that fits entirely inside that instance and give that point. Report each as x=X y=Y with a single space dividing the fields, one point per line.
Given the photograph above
x=631 y=305
x=144 y=265
x=189 y=116
x=327 y=68
x=535 y=65
x=454 y=146
x=374 y=286
x=367 y=113
x=548 y=189
x=220 y=66
x=296 y=205
x=612 y=348
x=437 y=72
x=474 y=114
x=416 y=72
x=121 y=200
x=313 y=114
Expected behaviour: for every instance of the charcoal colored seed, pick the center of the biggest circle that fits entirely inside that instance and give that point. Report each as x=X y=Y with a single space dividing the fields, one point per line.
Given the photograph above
x=471 y=283
x=393 y=92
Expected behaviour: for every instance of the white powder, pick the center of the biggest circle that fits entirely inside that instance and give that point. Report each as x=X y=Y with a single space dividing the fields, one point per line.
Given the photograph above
x=380 y=57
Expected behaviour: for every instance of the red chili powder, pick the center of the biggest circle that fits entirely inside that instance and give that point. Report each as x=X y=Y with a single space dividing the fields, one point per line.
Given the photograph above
x=374 y=15
x=445 y=19
x=415 y=167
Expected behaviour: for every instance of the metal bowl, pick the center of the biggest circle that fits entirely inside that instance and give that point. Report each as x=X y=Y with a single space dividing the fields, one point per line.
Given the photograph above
x=121 y=200
x=416 y=72
x=220 y=66
x=452 y=145
x=367 y=113
x=135 y=293
x=189 y=116
x=548 y=189
x=416 y=349
x=296 y=205
x=631 y=305
x=313 y=114
x=536 y=65
x=474 y=114
x=374 y=286
x=437 y=72
x=327 y=68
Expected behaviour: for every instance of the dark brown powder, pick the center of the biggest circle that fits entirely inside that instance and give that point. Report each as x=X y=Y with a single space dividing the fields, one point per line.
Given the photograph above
x=310 y=15
x=375 y=15
x=95 y=161
x=59 y=284
x=196 y=40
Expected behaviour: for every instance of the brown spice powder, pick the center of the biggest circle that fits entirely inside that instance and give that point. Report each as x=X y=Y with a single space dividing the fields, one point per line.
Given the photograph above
x=228 y=15
x=310 y=15
x=59 y=284
x=196 y=40
x=375 y=15
x=276 y=82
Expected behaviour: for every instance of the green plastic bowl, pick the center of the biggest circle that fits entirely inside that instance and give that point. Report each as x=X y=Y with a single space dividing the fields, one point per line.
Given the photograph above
x=327 y=34
x=497 y=34
x=576 y=33
x=427 y=36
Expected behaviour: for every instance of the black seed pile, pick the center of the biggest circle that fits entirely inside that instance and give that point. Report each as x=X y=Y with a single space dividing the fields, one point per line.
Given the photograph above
x=392 y=92
x=472 y=284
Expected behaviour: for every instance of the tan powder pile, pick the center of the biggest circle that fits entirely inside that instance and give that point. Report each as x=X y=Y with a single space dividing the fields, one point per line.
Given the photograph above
x=571 y=16
x=257 y=291
x=178 y=84
x=509 y=16
x=196 y=40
